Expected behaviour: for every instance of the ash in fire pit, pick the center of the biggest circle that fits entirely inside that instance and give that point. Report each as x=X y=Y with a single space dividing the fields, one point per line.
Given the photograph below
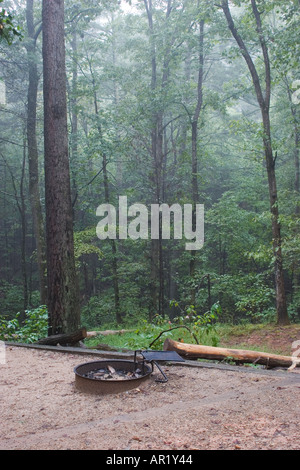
x=110 y=373
x=111 y=376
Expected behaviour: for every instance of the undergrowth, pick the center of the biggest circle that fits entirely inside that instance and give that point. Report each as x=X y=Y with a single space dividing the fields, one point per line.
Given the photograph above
x=35 y=326
x=190 y=328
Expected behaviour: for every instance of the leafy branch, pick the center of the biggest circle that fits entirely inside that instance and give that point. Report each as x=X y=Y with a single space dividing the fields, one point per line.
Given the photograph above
x=174 y=328
x=7 y=28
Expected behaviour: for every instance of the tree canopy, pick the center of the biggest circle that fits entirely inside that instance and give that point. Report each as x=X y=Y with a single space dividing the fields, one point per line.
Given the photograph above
x=167 y=102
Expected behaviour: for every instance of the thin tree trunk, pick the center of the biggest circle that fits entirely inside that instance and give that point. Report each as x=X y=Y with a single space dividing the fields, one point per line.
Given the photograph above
x=23 y=224
x=63 y=290
x=295 y=122
x=74 y=120
x=113 y=248
x=293 y=108
x=119 y=163
x=158 y=155
x=195 y=120
x=107 y=200
x=5 y=264
x=33 y=165
x=20 y=201
x=155 y=306
x=264 y=103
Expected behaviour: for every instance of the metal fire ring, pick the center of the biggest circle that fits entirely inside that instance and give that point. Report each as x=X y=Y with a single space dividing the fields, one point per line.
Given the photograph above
x=101 y=387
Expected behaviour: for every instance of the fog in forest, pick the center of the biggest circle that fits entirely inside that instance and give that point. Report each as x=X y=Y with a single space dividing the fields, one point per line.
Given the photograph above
x=184 y=103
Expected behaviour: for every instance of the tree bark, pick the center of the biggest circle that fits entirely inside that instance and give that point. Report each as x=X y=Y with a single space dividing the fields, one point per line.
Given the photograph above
x=263 y=99
x=74 y=121
x=197 y=351
x=33 y=165
x=22 y=209
x=195 y=120
x=64 y=339
x=295 y=123
x=63 y=290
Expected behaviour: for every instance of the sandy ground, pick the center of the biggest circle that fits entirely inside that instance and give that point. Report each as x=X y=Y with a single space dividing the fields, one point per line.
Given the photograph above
x=198 y=408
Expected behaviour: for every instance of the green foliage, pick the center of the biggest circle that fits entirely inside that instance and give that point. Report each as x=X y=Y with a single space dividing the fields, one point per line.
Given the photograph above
x=256 y=300
x=98 y=311
x=34 y=327
x=245 y=296
x=8 y=30
x=189 y=328
x=200 y=326
x=111 y=68
x=84 y=244
x=143 y=336
x=11 y=298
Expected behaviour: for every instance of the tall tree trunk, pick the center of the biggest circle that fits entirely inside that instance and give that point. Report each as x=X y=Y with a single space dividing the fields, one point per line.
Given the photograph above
x=20 y=202
x=74 y=121
x=22 y=209
x=5 y=264
x=157 y=154
x=116 y=98
x=63 y=290
x=155 y=306
x=195 y=119
x=295 y=122
x=113 y=248
x=33 y=164
x=107 y=200
x=263 y=99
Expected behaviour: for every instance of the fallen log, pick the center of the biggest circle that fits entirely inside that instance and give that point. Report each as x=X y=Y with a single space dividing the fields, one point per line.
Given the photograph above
x=91 y=334
x=197 y=351
x=64 y=338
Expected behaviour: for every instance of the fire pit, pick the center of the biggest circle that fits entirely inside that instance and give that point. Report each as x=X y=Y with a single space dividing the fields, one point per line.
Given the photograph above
x=111 y=376
x=115 y=376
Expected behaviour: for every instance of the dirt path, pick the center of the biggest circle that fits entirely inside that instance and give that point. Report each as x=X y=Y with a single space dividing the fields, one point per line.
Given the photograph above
x=198 y=408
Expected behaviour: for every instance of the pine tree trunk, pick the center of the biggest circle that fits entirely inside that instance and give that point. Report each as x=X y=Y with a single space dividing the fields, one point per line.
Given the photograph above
x=63 y=291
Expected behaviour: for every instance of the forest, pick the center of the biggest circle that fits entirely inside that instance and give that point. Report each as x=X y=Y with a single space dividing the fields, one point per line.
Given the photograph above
x=186 y=102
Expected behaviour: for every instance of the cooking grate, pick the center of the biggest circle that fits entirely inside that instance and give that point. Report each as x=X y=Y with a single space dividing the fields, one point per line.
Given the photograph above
x=158 y=356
